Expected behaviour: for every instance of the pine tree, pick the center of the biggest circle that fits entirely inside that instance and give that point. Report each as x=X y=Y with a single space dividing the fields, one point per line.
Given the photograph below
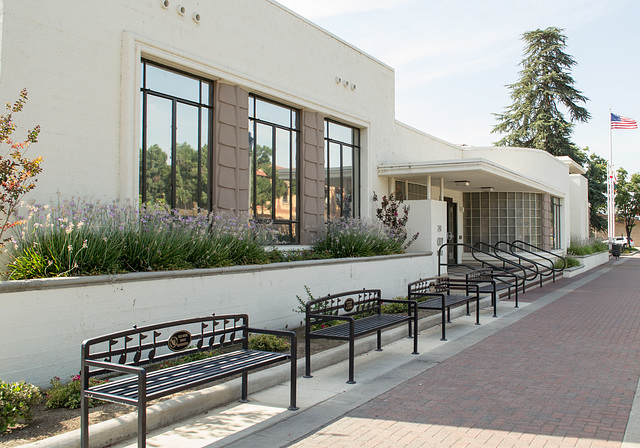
x=534 y=119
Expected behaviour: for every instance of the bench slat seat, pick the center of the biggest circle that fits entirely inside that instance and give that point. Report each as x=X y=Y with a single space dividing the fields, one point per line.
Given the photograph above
x=361 y=326
x=449 y=300
x=185 y=376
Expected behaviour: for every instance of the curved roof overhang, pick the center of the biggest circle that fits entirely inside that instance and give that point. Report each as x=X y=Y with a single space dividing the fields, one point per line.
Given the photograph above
x=481 y=175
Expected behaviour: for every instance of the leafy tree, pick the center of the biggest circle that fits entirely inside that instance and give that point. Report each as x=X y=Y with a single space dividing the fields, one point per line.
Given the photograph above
x=265 y=179
x=597 y=177
x=17 y=173
x=158 y=176
x=627 y=199
x=534 y=120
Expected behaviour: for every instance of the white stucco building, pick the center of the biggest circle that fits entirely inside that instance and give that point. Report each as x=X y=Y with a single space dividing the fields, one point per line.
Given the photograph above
x=195 y=103
x=203 y=104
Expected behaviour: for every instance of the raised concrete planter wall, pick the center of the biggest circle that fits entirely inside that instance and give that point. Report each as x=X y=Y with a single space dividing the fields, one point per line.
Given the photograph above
x=587 y=262
x=45 y=321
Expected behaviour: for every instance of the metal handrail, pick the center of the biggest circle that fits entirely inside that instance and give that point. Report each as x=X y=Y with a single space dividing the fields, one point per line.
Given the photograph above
x=473 y=250
x=539 y=249
x=534 y=270
x=543 y=270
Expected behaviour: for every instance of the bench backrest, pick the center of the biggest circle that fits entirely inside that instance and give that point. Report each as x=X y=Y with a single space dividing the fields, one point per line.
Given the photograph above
x=430 y=285
x=480 y=275
x=156 y=343
x=350 y=303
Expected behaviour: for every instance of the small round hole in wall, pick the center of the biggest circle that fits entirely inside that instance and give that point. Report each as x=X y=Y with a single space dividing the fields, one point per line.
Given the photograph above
x=196 y=17
x=346 y=83
x=165 y=4
x=181 y=10
x=353 y=87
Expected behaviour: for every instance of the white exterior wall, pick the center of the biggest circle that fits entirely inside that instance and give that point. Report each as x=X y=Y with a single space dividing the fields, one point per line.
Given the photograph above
x=83 y=78
x=64 y=312
x=579 y=213
x=535 y=164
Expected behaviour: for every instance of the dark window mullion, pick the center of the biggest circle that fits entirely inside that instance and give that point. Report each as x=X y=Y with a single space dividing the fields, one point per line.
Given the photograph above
x=174 y=151
x=143 y=177
x=199 y=181
x=273 y=173
x=341 y=182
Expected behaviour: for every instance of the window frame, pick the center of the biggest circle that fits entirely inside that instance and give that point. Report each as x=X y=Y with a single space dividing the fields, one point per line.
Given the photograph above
x=355 y=147
x=293 y=223
x=175 y=100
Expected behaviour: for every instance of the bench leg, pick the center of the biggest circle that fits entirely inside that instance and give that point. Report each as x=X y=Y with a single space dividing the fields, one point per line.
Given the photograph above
x=84 y=422
x=244 y=388
x=294 y=378
x=415 y=339
x=448 y=314
x=351 y=361
x=468 y=312
x=142 y=411
x=444 y=338
x=516 y=288
x=495 y=303
x=379 y=341
x=477 y=310
x=307 y=357
x=142 y=424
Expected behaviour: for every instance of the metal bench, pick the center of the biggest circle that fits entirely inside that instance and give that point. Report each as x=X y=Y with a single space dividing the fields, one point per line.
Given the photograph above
x=361 y=314
x=435 y=293
x=492 y=282
x=130 y=352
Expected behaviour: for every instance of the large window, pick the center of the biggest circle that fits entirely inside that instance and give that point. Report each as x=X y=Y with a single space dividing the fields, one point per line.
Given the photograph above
x=342 y=162
x=175 y=160
x=494 y=217
x=273 y=145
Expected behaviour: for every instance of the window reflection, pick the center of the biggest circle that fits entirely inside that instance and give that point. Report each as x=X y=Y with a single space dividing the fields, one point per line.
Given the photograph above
x=177 y=124
x=273 y=143
x=341 y=171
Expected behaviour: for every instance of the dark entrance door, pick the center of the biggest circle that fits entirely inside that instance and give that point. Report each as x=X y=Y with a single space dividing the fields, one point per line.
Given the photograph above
x=452 y=230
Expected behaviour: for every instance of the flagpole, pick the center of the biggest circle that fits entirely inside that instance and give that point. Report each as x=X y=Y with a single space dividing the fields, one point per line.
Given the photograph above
x=611 y=220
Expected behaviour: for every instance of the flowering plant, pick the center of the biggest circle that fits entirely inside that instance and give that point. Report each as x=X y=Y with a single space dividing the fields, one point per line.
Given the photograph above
x=388 y=214
x=17 y=173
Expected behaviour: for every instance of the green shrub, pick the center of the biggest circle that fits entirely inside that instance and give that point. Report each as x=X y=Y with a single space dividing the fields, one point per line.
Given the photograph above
x=16 y=401
x=395 y=308
x=571 y=262
x=582 y=246
x=82 y=238
x=356 y=238
x=68 y=395
x=268 y=343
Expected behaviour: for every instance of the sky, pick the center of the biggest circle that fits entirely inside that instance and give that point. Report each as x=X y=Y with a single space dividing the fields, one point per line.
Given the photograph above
x=454 y=58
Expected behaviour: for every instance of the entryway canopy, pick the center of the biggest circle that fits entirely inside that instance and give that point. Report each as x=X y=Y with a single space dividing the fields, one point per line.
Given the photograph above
x=467 y=175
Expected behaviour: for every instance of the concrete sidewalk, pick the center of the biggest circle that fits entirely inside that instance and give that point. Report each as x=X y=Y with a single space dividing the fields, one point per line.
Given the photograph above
x=562 y=370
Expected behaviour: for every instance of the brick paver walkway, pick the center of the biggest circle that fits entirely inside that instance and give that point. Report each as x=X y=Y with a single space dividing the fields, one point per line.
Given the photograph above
x=565 y=375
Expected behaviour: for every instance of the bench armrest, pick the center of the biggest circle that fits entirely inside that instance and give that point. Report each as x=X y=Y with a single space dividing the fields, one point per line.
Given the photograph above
x=114 y=367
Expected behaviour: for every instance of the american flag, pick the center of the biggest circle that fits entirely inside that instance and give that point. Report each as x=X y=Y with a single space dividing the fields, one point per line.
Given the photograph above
x=619 y=122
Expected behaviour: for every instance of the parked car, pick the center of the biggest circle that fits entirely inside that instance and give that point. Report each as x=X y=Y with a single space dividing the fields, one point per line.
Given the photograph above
x=621 y=240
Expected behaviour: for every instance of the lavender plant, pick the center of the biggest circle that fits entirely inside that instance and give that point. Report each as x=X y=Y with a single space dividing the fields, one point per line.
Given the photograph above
x=85 y=238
